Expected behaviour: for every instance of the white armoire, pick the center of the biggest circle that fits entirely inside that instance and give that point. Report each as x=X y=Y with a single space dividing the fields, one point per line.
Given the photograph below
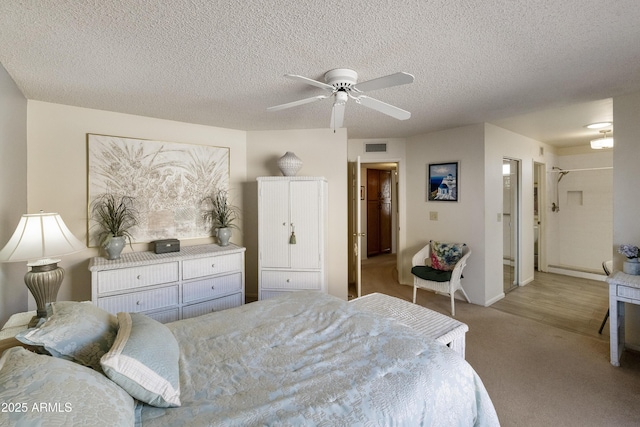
x=292 y=235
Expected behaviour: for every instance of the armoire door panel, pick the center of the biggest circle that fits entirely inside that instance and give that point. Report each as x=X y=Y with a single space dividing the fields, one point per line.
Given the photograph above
x=305 y=224
x=274 y=225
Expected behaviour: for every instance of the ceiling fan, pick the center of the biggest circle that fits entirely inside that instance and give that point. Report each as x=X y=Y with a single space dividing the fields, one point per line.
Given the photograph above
x=342 y=84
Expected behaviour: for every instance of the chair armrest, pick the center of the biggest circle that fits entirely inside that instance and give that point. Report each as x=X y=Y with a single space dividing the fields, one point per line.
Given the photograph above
x=456 y=274
x=418 y=258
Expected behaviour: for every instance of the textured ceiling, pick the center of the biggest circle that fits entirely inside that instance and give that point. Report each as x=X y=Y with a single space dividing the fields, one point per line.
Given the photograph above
x=222 y=63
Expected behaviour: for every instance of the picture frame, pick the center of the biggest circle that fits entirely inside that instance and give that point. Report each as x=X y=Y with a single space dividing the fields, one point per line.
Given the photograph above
x=168 y=181
x=443 y=182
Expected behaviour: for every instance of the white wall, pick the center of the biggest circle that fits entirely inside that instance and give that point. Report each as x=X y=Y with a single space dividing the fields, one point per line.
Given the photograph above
x=461 y=221
x=626 y=200
x=13 y=190
x=581 y=232
x=323 y=153
x=502 y=143
x=57 y=169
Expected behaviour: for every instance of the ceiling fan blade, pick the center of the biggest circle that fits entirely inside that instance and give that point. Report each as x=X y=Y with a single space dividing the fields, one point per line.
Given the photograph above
x=391 y=80
x=383 y=107
x=337 y=115
x=310 y=81
x=296 y=103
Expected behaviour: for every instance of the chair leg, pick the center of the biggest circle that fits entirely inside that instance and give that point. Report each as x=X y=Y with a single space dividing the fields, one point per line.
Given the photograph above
x=453 y=307
x=415 y=289
x=606 y=316
x=465 y=294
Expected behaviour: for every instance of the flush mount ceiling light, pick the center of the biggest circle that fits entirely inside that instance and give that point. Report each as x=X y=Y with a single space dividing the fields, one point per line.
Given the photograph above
x=598 y=125
x=604 y=142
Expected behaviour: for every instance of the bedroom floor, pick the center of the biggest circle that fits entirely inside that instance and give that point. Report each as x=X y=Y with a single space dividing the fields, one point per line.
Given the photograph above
x=539 y=368
x=570 y=303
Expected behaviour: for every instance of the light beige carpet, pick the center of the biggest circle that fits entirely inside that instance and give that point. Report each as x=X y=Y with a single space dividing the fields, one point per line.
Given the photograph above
x=536 y=374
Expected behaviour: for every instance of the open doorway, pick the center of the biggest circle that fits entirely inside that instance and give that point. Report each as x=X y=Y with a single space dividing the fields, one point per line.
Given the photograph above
x=379 y=208
x=539 y=190
x=375 y=203
x=511 y=221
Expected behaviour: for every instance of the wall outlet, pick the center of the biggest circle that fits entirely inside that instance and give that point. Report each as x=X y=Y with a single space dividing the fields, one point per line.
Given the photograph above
x=433 y=216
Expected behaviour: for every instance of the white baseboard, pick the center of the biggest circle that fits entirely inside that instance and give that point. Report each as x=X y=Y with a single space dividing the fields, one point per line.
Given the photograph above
x=494 y=300
x=576 y=273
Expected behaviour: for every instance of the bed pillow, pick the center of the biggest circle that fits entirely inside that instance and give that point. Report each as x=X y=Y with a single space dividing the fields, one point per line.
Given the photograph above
x=77 y=331
x=43 y=390
x=444 y=256
x=144 y=360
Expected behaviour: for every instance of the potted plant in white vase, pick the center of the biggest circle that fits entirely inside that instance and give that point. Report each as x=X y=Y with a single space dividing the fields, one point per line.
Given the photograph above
x=632 y=264
x=221 y=215
x=115 y=216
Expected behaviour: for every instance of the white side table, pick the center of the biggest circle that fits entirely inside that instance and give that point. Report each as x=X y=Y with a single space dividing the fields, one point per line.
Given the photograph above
x=622 y=288
x=444 y=329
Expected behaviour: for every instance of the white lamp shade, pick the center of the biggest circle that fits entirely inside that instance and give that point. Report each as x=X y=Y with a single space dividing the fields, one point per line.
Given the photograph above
x=40 y=236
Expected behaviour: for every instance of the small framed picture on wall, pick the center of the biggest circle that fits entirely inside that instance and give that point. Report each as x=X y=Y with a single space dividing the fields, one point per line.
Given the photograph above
x=443 y=182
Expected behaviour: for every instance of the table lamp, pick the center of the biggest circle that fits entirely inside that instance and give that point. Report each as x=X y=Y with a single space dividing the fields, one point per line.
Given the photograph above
x=37 y=239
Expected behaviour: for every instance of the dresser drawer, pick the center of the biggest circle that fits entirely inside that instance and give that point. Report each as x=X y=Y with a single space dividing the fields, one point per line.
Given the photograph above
x=137 y=277
x=211 y=287
x=193 y=268
x=628 y=292
x=292 y=280
x=218 y=304
x=141 y=301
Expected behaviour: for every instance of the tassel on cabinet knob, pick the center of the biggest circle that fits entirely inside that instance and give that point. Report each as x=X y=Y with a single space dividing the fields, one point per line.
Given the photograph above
x=292 y=239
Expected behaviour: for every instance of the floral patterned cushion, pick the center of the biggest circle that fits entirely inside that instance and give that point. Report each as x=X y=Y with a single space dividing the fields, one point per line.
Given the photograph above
x=444 y=256
x=77 y=331
x=46 y=391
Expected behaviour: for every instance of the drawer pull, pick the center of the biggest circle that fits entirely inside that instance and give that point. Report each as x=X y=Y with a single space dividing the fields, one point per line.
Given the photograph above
x=138 y=277
x=213 y=266
x=213 y=288
x=288 y=280
x=138 y=303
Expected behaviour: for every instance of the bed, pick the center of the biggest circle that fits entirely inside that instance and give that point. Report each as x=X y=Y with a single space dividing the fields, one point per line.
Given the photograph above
x=304 y=358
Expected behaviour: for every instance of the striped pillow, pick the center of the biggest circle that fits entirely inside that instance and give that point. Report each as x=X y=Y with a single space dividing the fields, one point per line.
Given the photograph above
x=144 y=360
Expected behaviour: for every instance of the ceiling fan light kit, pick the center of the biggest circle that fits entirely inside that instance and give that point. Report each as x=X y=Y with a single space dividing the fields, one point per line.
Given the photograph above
x=342 y=83
x=604 y=142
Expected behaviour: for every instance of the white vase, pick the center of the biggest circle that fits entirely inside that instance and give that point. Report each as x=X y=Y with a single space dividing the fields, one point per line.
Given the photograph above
x=114 y=247
x=223 y=235
x=289 y=164
x=631 y=266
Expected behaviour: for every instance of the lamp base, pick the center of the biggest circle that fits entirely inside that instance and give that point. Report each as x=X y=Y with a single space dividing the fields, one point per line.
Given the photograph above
x=43 y=281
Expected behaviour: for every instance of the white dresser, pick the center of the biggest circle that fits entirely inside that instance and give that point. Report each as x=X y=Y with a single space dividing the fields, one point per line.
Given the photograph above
x=292 y=235
x=167 y=287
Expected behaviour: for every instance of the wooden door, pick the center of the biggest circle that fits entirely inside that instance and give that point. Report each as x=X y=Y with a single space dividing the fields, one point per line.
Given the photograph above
x=385 y=211
x=378 y=211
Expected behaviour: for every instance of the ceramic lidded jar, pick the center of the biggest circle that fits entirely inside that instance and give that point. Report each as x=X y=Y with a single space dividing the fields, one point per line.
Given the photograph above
x=289 y=164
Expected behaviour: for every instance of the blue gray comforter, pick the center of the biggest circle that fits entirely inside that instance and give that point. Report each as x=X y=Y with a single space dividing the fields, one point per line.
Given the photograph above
x=312 y=359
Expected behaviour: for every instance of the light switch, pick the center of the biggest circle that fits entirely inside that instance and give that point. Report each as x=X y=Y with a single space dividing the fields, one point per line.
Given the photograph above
x=433 y=216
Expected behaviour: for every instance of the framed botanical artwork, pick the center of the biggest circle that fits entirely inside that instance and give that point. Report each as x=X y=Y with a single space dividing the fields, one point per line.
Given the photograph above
x=443 y=182
x=168 y=181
